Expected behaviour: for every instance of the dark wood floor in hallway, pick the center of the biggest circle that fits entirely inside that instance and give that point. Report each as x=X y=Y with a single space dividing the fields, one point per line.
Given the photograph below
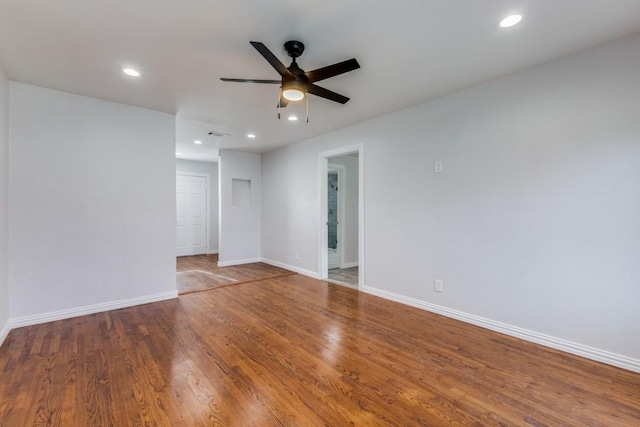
x=296 y=351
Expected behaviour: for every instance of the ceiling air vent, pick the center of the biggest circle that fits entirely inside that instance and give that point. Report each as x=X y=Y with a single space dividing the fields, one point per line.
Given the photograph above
x=220 y=134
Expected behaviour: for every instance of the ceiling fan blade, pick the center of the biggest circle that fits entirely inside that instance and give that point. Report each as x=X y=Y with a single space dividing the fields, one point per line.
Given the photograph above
x=332 y=70
x=326 y=93
x=224 y=79
x=283 y=102
x=271 y=58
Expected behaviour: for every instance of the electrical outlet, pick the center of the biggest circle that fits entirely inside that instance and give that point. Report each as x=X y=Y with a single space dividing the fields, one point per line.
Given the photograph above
x=297 y=256
x=437 y=166
x=437 y=285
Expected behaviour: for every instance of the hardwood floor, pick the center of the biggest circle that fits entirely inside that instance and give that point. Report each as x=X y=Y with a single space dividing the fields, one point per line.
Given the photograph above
x=201 y=273
x=344 y=276
x=296 y=351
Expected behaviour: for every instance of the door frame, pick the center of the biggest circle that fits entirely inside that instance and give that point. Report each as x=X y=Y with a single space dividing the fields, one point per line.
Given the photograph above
x=323 y=169
x=208 y=194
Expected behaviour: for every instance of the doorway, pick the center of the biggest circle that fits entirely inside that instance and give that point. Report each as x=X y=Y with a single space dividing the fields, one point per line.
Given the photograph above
x=341 y=256
x=335 y=222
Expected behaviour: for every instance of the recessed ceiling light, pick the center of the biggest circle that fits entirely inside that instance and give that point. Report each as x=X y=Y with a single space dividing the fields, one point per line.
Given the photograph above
x=510 y=21
x=197 y=141
x=293 y=118
x=131 y=72
x=251 y=135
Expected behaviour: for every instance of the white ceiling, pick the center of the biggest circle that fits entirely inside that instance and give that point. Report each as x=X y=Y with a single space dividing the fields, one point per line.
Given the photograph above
x=410 y=51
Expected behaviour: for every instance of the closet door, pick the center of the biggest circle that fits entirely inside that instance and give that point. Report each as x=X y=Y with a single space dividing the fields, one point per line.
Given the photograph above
x=191 y=215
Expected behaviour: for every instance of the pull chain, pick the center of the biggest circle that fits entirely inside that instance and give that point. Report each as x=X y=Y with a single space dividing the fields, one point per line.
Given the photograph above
x=307 y=108
x=279 y=99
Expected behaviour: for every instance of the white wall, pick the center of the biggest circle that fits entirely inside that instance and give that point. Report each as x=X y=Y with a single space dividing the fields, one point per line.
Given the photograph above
x=92 y=202
x=211 y=169
x=534 y=222
x=239 y=225
x=350 y=207
x=4 y=205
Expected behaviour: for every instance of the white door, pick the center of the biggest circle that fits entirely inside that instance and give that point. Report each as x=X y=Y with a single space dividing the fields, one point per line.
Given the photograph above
x=191 y=214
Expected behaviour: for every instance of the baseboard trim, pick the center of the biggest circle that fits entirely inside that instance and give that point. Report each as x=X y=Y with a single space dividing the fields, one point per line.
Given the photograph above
x=298 y=270
x=238 y=262
x=592 y=353
x=213 y=252
x=4 y=333
x=89 y=309
x=349 y=264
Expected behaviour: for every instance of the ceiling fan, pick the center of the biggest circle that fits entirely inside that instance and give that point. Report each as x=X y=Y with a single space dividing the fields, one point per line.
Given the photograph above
x=295 y=81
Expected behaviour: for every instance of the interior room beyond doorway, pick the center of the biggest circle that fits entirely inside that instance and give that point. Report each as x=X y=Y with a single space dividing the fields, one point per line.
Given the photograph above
x=343 y=220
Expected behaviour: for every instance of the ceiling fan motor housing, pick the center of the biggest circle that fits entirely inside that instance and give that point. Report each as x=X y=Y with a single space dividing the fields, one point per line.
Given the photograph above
x=294 y=48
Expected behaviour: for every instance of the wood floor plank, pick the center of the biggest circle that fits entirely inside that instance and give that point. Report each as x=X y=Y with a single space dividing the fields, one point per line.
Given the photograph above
x=296 y=351
x=346 y=276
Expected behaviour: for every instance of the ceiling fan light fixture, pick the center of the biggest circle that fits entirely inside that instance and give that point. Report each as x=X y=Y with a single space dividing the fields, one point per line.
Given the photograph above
x=293 y=94
x=295 y=83
x=293 y=91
